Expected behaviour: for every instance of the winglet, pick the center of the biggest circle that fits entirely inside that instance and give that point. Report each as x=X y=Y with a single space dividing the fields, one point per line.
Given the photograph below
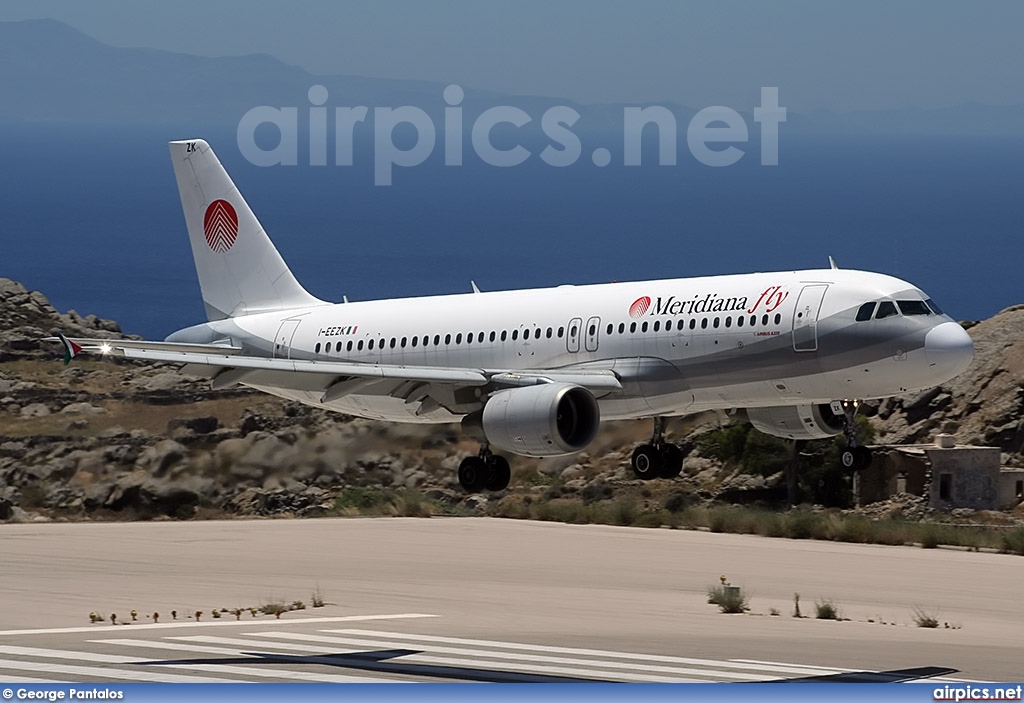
x=71 y=350
x=832 y=263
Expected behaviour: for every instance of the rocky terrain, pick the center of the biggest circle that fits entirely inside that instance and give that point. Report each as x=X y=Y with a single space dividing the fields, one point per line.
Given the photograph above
x=120 y=440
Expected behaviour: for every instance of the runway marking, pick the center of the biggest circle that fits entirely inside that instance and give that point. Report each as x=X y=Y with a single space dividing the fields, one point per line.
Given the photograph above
x=773 y=667
x=226 y=623
x=825 y=671
x=146 y=675
x=95 y=672
x=4 y=678
x=597 y=668
x=223 y=651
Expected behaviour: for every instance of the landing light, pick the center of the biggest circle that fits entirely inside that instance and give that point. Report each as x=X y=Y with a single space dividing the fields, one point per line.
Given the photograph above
x=104 y=348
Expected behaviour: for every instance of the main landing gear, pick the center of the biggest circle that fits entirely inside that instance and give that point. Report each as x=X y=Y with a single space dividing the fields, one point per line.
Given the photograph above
x=486 y=471
x=659 y=459
x=854 y=457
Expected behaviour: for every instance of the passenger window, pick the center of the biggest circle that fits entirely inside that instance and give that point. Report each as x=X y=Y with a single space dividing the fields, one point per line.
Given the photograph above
x=913 y=307
x=728 y=321
x=778 y=318
x=561 y=332
x=348 y=347
x=370 y=345
x=693 y=323
x=739 y=320
x=764 y=320
x=657 y=325
x=526 y=333
x=426 y=340
x=632 y=327
x=404 y=341
x=415 y=341
x=865 y=311
x=622 y=327
x=551 y=331
x=393 y=342
x=360 y=348
x=716 y=323
x=492 y=336
x=886 y=308
x=504 y=335
x=515 y=335
x=679 y=325
x=609 y=331
x=437 y=340
x=704 y=323
x=643 y=327
x=317 y=348
x=753 y=320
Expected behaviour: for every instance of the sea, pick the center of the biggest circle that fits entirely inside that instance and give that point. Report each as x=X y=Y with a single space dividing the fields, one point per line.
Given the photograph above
x=91 y=217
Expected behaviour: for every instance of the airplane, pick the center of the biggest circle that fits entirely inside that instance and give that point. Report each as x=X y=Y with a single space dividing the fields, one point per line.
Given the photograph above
x=534 y=372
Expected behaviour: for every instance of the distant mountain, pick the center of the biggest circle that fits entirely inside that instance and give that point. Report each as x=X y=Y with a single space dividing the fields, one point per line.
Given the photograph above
x=50 y=72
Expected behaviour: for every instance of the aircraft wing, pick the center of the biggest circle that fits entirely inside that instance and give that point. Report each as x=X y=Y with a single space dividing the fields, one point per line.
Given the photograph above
x=225 y=366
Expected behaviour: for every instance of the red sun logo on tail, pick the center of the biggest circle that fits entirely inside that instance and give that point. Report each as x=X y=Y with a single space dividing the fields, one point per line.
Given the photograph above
x=639 y=307
x=220 y=225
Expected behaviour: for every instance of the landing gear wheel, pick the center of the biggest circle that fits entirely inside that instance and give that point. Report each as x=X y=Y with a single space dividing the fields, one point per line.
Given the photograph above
x=499 y=473
x=855 y=459
x=647 y=462
x=671 y=461
x=473 y=473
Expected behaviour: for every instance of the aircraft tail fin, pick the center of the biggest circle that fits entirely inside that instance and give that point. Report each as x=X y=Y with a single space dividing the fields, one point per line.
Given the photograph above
x=240 y=271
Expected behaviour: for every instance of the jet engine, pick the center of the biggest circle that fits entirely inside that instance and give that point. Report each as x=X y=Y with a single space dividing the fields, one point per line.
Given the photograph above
x=549 y=419
x=796 y=421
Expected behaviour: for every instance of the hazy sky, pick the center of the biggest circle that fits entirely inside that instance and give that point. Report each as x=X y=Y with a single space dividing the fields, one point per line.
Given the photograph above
x=820 y=53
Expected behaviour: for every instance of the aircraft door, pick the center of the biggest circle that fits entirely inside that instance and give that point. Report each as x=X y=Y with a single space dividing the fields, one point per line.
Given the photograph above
x=805 y=317
x=593 y=334
x=284 y=337
x=572 y=334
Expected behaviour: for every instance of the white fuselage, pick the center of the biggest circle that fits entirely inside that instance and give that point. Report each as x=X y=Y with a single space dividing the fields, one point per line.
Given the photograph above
x=680 y=346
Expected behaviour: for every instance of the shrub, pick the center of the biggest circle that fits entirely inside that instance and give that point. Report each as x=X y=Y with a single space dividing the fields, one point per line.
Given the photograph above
x=729 y=599
x=826 y=609
x=923 y=618
x=1013 y=541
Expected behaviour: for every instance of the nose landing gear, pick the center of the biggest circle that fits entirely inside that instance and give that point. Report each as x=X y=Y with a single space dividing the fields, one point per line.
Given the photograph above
x=853 y=457
x=659 y=459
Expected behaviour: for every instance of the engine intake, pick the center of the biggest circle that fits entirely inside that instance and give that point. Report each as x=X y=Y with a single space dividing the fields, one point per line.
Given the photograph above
x=549 y=419
x=796 y=421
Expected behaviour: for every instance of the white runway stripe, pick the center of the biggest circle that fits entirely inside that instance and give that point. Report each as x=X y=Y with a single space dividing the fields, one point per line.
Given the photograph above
x=213 y=623
x=96 y=672
x=148 y=675
x=591 y=668
x=768 y=667
x=7 y=678
x=261 y=671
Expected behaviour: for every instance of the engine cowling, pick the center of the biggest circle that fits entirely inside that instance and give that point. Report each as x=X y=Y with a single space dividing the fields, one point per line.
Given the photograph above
x=549 y=419
x=796 y=421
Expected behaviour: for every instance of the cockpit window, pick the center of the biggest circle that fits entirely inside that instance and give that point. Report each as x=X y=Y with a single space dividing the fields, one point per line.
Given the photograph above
x=935 y=308
x=914 y=307
x=886 y=308
x=864 y=313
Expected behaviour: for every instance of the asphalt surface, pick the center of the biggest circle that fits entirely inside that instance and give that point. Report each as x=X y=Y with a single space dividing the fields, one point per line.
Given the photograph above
x=487 y=600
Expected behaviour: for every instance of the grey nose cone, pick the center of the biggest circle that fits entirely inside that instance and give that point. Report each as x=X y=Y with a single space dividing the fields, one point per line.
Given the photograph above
x=949 y=349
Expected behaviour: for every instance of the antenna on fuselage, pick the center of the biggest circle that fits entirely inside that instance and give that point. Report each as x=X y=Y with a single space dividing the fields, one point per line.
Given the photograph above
x=832 y=263
x=475 y=289
x=344 y=298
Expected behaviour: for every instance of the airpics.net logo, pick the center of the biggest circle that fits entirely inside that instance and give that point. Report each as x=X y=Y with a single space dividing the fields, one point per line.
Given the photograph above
x=714 y=135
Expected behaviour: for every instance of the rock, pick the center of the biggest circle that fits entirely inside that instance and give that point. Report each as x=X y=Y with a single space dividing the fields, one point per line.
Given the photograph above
x=35 y=410
x=161 y=456
x=82 y=409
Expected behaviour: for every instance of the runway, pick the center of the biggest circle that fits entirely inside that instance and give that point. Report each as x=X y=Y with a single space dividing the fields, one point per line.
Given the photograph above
x=480 y=599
